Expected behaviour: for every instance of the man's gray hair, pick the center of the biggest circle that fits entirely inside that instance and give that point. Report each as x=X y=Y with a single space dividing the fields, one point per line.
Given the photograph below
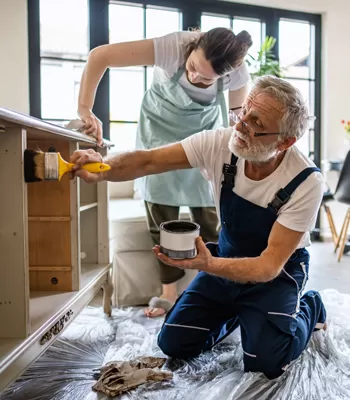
x=295 y=112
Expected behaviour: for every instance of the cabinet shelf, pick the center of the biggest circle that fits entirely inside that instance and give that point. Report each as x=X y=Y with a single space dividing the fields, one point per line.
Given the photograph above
x=46 y=309
x=87 y=206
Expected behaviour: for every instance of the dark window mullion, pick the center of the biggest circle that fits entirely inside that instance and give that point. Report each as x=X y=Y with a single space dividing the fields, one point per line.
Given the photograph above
x=317 y=98
x=116 y=121
x=272 y=29
x=298 y=78
x=191 y=17
x=33 y=8
x=99 y=35
x=77 y=60
x=144 y=36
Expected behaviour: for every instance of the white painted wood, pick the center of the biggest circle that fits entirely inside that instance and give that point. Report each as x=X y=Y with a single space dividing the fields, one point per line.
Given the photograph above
x=47 y=308
x=88 y=236
x=88 y=192
x=75 y=225
x=14 y=269
x=102 y=219
x=8 y=116
x=87 y=206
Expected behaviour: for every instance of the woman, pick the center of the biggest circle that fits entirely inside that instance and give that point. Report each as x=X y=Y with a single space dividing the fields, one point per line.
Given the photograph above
x=192 y=71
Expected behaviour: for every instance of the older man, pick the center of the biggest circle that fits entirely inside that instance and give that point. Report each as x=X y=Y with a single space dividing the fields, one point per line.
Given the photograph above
x=267 y=195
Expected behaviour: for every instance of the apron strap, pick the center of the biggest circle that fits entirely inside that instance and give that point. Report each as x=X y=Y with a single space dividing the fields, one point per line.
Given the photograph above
x=222 y=102
x=229 y=171
x=220 y=94
x=284 y=194
x=179 y=73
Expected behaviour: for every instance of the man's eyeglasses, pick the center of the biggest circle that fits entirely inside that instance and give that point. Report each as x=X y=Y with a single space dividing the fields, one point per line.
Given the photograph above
x=245 y=127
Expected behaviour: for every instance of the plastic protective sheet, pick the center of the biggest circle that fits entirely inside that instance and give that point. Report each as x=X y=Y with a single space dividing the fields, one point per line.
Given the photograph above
x=69 y=367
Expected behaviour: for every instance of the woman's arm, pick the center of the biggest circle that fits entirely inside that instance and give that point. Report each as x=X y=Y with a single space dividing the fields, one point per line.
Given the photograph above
x=102 y=57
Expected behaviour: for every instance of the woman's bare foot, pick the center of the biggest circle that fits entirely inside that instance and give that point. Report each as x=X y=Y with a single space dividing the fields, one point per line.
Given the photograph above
x=170 y=294
x=321 y=326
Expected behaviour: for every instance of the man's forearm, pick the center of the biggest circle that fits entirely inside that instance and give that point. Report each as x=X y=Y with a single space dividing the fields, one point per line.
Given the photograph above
x=126 y=166
x=244 y=270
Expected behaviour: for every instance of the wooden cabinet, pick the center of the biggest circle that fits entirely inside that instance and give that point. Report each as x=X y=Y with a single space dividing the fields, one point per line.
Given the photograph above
x=54 y=245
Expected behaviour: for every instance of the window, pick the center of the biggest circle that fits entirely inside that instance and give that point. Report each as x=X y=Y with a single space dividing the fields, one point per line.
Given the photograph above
x=297 y=57
x=254 y=27
x=62 y=56
x=128 y=85
x=69 y=29
x=213 y=21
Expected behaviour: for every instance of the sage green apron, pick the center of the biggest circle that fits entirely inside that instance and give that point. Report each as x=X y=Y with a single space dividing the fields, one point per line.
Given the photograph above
x=169 y=115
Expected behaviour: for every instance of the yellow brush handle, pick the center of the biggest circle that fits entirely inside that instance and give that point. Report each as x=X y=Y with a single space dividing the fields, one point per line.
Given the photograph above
x=91 y=167
x=96 y=167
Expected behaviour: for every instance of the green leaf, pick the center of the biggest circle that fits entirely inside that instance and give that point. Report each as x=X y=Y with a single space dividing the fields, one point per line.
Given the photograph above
x=265 y=61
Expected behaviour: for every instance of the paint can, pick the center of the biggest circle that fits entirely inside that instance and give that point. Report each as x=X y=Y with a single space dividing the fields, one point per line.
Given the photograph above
x=178 y=239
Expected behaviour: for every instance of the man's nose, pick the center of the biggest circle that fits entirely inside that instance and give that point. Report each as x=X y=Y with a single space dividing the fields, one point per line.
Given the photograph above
x=242 y=127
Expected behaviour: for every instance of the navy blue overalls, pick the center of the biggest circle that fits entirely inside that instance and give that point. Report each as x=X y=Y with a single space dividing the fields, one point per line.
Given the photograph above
x=276 y=322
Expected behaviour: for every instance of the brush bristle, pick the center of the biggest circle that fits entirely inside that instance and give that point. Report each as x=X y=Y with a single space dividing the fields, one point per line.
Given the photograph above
x=34 y=165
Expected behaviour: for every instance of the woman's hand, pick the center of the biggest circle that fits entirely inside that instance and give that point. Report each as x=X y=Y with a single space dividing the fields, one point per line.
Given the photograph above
x=93 y=126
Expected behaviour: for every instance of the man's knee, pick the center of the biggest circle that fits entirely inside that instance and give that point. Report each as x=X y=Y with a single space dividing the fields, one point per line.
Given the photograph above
x=271 y=366
x=271 y=357
x=174 y=342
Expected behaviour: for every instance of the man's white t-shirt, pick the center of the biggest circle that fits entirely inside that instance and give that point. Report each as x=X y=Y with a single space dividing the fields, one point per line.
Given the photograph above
x=169 y=56
x=208 y=151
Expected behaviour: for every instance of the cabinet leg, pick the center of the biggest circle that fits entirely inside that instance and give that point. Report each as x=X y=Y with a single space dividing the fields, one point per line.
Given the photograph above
x=107 y=298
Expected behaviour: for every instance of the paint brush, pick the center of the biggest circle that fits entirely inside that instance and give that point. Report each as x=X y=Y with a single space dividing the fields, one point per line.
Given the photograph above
x=40 y=166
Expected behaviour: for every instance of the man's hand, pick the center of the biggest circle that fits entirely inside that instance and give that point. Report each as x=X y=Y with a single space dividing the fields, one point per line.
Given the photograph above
x=81 y=157
x=202 y=260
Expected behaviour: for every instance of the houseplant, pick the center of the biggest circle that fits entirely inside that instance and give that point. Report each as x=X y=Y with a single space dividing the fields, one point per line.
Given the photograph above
x=265 y=63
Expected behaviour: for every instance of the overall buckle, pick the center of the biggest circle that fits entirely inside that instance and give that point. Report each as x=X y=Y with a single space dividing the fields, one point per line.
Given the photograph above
x=280 y=200
x=229 y=172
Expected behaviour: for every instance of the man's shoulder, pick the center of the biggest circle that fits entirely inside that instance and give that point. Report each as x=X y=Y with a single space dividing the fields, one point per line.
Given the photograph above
x=298 y=161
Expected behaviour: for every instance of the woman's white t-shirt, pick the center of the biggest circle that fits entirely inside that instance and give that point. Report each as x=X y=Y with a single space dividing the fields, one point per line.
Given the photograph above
x=169 y=56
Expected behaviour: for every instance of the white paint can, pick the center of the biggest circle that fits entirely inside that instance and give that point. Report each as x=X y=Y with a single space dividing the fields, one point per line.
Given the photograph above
x=178 y=239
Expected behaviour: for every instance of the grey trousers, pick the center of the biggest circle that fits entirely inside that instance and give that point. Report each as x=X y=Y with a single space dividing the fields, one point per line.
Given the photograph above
x=204 y=216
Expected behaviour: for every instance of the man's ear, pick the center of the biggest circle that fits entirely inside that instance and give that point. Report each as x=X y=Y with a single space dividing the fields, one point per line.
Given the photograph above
x=286 y=143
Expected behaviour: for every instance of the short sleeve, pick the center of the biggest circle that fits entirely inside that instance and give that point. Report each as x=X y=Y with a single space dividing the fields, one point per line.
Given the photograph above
x=239 y=77
x=169 y=50
x=202 y=149
x=300 y=213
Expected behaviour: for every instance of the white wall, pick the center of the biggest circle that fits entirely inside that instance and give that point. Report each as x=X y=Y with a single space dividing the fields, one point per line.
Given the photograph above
x=14 y=80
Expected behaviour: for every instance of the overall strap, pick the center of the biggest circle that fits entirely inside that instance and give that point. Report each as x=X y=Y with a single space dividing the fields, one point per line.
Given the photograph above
x=284 y=194
x=222 y=102
x=229 y=171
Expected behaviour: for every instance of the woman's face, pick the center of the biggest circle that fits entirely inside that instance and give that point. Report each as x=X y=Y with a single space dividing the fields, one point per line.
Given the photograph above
x=199 y=70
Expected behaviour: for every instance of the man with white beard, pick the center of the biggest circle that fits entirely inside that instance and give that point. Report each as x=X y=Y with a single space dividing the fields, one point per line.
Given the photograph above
x=267 y=196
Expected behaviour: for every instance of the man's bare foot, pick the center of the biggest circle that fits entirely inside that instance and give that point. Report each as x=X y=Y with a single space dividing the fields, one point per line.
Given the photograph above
x=169 y=294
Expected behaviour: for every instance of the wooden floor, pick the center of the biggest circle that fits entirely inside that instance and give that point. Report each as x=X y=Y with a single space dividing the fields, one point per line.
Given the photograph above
x=325 y=272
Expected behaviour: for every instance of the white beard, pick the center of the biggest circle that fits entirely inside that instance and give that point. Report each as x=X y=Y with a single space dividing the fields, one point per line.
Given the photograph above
x=256 y=153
